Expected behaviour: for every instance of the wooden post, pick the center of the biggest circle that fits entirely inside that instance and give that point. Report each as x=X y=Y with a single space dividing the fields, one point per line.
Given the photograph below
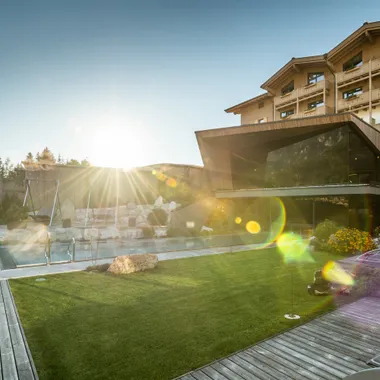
x=370 y=91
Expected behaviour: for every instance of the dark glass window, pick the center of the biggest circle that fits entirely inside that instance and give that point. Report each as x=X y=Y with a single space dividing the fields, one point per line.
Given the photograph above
x=339 y=156
x=317 y=160
x=316 y=104
x=315 y=77
x=353 y=62
x=362 y=161
x=288 y=88
x=285 y=114
x=352 y=93
x=261 y=104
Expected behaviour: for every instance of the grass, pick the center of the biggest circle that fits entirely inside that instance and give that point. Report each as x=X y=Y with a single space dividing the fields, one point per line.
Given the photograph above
x=162 y=323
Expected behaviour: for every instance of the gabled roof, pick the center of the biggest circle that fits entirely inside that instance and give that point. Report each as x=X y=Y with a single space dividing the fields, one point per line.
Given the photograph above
x=292 y=66
x=365 y=32
x=237 y=108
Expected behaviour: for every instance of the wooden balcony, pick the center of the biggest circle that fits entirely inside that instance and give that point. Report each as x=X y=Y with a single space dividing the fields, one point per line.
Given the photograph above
x=318 y=111
x=313 y=89
x=376 y=96
x=301 y=94
x=287 y=99
x=353 y=102
x=356 y=74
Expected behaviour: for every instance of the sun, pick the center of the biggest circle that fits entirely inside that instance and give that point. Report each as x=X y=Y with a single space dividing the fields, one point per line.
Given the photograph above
x=114 y=147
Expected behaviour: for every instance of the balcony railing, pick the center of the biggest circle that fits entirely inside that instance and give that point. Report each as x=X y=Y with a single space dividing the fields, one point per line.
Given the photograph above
x=376 y=95
x=346 y=77
x=313 y=89
x=301 y=93
x=353 y=101
x=318 y=111
x=288 y=98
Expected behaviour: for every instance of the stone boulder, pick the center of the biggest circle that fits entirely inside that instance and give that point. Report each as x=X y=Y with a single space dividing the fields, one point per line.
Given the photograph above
x=133 y=263
x=159 y=202
x=90 y=234
x=109 y=233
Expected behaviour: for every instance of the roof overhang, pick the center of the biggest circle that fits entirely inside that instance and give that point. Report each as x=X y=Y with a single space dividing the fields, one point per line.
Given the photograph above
x=237 y=108
x=355 y=39
x=304 y=191
x=291 y=67
x=297 y=125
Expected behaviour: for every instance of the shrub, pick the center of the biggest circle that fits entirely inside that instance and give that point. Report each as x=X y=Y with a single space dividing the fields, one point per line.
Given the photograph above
x=158 y=217
x=376 y=232
x=324 y=230
x=351 y=240
x=148 y=232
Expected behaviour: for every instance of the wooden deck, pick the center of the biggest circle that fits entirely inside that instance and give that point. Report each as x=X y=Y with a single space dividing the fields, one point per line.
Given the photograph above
x=330 y=347
x=16 y=362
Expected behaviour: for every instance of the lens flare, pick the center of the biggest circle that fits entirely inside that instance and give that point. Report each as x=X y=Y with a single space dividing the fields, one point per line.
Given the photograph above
x=238 y=220
x=293 y=248
x=171 y=182
x=333 y=272
x=161 y=176
x=253 y=227
x=270 y=216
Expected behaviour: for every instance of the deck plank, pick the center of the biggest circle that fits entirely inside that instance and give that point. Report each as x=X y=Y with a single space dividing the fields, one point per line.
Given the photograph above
x=15 y=358
x=330 y=347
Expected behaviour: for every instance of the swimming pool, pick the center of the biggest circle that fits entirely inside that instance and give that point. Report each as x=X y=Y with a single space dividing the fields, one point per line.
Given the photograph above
x=13 y=256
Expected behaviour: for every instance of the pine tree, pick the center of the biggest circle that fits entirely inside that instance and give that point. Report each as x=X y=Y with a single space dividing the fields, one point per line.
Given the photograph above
x=29 y=157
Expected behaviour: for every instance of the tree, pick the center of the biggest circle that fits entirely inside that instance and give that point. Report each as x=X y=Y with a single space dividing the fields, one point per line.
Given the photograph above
x=60 y=160
x=29 y=157
x=85 y=162
x=47 y=155
x=73 y=162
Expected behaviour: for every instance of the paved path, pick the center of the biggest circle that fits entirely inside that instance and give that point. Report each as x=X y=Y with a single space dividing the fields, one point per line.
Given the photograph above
x=78 y=266
x=16 y=361
x=330 y=347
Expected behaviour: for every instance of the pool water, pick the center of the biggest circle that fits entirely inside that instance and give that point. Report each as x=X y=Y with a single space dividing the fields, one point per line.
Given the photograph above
x=13 y=256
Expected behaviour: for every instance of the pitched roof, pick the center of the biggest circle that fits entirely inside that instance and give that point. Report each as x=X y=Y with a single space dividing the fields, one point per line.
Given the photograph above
x=235 y=109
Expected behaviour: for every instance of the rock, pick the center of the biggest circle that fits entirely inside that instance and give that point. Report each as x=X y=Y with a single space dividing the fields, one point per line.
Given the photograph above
x=161 y=231
x=133 y=263
x=159 y=202
x=141 y=220
x=90 y=234
x=131 y=205
x=135 y=212
x=124 y=220
x=68 y=210
x=109 y=233
x=172 y=205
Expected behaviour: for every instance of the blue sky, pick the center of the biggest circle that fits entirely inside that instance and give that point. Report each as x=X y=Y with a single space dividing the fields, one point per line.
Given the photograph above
x=126 y=83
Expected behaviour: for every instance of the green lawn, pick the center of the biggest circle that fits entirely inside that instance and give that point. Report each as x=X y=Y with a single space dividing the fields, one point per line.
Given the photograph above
x=163 y=323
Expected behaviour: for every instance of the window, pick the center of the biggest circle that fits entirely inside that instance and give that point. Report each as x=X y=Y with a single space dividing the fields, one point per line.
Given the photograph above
x=288 y=88
x=352 y=93
x=261 y=121
x=285 y=114
x=315 y=77
x=353 y=62
x=316 y=104
x=261 y=104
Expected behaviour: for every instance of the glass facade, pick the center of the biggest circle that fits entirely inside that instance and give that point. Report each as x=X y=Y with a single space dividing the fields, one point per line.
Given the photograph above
x=338 y=156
